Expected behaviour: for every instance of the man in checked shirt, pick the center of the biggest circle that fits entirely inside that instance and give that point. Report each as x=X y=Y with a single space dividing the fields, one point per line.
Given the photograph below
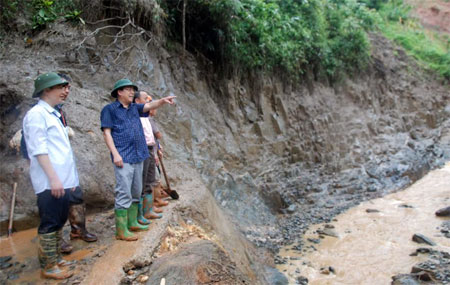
x=124 y=137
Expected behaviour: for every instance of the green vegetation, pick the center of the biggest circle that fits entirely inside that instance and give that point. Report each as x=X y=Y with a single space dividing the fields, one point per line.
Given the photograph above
x=38 y=13
x=430 y=49
x=324 y=37
x=327 y=37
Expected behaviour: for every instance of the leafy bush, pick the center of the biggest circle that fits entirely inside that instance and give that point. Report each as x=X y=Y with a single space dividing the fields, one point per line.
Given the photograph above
x=373 y=4
x=38 y=12
x=294 y=35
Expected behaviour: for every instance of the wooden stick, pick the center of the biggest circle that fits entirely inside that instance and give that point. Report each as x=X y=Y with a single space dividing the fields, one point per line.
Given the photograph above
x=11 y=210
x=172 y=193
x=164 y=171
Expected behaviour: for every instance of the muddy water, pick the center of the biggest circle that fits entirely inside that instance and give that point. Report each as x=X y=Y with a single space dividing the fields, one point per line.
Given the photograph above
x=372 y=247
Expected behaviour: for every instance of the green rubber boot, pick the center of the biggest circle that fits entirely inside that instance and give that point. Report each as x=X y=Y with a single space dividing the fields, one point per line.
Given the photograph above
x=148 y=208
x=133 y=224
x=140 y=218
x=122 y=231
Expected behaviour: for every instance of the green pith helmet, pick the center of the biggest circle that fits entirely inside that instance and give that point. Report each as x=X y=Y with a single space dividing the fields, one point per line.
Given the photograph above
x=47 y=80
x=122 y=83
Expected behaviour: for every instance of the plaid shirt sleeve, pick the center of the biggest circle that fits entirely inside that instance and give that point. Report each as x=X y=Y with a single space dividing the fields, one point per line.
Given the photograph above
x=106 y=118
x=140 y=108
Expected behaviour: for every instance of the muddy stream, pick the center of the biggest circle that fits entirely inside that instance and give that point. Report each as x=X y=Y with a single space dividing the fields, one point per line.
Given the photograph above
x=372 y=242
x=374 y=239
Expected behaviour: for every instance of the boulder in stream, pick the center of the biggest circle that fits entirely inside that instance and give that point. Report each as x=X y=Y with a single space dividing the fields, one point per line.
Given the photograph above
x=444 y=212
x=419 y=238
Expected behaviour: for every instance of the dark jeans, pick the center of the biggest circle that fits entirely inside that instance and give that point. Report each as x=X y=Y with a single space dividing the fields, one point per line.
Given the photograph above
x=149 y=173
x=52 y=211
x=76 y=196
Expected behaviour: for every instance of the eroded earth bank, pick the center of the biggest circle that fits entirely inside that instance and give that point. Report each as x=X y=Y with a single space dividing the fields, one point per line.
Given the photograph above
x=255 y=158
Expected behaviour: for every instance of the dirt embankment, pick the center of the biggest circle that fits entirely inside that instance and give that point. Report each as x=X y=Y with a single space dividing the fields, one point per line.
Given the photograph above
x=432 y=14
x=275 y=156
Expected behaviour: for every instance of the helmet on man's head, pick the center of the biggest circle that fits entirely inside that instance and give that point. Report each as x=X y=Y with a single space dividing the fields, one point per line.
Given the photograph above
x=47 y=80
x=121 y=84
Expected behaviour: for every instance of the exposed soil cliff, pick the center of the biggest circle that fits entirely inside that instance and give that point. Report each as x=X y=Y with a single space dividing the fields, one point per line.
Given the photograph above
x=275 y=156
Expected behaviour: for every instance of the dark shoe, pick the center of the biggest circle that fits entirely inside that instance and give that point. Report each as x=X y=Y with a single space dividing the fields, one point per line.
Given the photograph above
x=77 y=219
x=66 y=247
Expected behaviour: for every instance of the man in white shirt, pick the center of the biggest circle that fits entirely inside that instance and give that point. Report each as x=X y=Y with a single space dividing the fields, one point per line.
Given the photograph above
x=52 y=169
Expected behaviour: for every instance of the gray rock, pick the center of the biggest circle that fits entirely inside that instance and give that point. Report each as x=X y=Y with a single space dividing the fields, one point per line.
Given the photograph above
x=273 y=276
x=444 y=212
x=203 y=262
x=419 y=238
x=4 y=259
x=291 y=209
x=302 y=280
x=404 y=279
x=372 y=211
x=328 y=232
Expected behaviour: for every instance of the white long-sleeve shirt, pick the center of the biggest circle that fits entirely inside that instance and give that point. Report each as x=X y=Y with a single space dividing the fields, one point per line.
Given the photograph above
x=45 y=134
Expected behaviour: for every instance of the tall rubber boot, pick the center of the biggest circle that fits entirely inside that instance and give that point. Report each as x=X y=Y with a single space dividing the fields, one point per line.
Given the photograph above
x=158 y=201
x=148 y=208
x=133 y=224
x=48 y=257
x=77 y=219
x=122 y=231
x=59 y=243
x=140 y=218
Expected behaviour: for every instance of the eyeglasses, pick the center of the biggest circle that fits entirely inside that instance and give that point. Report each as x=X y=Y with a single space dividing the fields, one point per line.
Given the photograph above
x=129 y=89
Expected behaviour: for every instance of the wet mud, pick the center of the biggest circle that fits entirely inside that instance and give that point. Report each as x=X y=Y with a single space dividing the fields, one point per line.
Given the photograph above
x=372 y=242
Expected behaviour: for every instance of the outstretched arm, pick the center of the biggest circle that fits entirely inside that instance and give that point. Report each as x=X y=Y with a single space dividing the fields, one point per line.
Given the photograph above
x=118 y=161
x=158 y=103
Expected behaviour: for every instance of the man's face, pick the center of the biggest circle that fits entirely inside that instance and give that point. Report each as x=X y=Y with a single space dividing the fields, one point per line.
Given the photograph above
x=143 y=98
x=126 y=94
x=66 y=91
x=58 y=93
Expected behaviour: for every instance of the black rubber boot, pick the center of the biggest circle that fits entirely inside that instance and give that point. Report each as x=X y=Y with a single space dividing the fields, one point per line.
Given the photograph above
x=77 y=221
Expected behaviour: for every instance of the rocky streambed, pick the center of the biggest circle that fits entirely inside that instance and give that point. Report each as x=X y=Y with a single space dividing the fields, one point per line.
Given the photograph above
x=396 y=238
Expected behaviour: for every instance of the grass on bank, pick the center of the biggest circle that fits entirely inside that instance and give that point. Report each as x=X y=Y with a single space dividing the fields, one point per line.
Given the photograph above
x=430 y=49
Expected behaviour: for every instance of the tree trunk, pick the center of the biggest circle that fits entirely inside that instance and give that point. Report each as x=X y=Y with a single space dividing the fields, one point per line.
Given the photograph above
x=184 y=27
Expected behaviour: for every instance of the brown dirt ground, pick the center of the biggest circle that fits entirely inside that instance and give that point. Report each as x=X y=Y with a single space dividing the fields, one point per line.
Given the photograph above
x=432 y=14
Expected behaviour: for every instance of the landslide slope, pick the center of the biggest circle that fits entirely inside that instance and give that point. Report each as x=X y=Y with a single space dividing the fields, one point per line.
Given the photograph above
x=275 y=155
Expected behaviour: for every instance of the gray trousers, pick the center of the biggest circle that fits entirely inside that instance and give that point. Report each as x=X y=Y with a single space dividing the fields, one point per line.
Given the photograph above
x=128 y=184
x=149 y=173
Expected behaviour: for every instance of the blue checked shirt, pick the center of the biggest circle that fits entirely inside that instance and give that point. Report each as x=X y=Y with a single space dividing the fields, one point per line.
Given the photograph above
x=126 y=130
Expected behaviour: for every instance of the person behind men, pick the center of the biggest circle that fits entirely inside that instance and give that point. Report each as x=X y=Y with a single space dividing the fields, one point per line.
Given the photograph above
x=158 y=192
x=77 y=210
x=124 y=137
x=148 y=175
x=52 y=169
